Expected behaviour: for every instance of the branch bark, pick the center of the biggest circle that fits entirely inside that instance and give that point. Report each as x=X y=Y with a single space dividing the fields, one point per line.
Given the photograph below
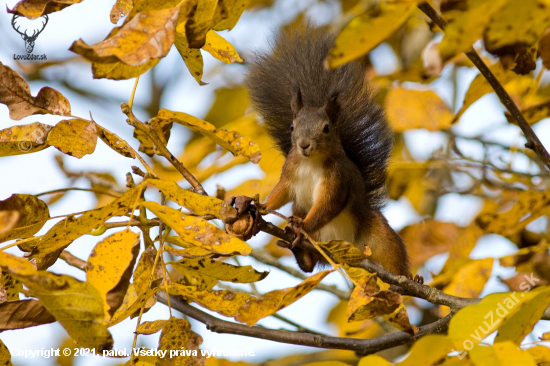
x=361 y=346
x=533 y=141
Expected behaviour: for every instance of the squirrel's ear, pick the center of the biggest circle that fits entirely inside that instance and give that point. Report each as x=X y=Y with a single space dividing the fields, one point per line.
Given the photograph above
x=296 y=103
x=332 y=108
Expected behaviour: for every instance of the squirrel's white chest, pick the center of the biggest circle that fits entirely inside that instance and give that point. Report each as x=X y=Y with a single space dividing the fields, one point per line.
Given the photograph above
x=309 y=176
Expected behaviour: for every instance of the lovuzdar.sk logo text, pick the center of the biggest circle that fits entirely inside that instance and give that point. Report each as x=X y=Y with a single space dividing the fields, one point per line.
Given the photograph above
x=29 y=39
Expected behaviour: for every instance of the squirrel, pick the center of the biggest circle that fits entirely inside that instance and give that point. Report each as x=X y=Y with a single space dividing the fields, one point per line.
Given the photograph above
x=337 y=144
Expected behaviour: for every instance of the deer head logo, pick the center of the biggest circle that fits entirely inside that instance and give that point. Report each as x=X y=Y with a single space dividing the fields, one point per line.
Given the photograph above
x=29 y=40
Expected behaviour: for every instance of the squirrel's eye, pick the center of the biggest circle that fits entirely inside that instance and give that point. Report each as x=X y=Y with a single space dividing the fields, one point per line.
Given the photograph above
x=325 y=129
x=292 y=127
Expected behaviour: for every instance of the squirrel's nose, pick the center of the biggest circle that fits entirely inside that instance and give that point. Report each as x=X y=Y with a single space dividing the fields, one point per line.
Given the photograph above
x=304 y=145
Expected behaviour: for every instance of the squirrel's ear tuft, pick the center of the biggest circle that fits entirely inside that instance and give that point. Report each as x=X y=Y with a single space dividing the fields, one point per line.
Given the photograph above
x=296 y=103
x=332 y=108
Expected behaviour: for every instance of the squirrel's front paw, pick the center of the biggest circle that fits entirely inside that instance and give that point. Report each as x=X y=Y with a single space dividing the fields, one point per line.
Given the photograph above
x=296 y=222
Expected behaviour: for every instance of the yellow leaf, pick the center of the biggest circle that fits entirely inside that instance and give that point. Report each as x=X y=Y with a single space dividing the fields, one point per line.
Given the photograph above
x=75 y=137
x=176 y=338
x=114 y=142
x=120 y=71
x=373 y=360
x=163 y=130
x=199 y=23
x=76 y=305
x=191 y=56
x=541 y=354
x=5 y=356
x=505 y=30
x=480 y=86
x=23 y=314
x=233 y=9
x=327 y=363
x=230 y=103
x=368 y=300
x=32 y=214
x=24 y=139
x=198 y=231
x=132 y=303
x=63 y=233
x=466 y=26
x=112 y=262
x=16 y=94
x=33 y=9
x=190 y=251
x=461 y=247
x=469 y=281
x=144 y=270
x=150 y=327
x=121 y=9
x=400 y=319
x=230 y=140
x=220 y=270
x=218 y=47
x=507 y=311
x=368 y=30
x=532 y=114
x=223 y=302
x=408 y=109
x=365 y=329
x=191 y=278
x=131 y=44
x=344 y=252
x=428 y=350
x=274 y=301
x=199 y=204
x=529 y=206
x=501 y=354
x=10 y=287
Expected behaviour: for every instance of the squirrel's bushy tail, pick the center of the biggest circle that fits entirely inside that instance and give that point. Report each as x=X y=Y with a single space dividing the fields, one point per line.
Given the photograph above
x=297 y=56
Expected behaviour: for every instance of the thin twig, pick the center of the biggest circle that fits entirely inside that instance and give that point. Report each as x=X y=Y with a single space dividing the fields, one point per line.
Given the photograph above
x=265 y=257
x=76 y=189
x=74 y=261
x=134 y=122
x=533 y=141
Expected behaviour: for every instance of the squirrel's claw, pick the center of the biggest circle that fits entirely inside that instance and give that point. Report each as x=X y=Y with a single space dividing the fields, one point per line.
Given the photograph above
x=416 y=278
x=283 y=244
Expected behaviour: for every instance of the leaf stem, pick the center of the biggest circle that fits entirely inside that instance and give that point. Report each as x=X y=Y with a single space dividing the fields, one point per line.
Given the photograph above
x=131 y=101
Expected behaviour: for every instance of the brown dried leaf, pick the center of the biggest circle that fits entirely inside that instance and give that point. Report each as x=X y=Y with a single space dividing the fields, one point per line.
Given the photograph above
x=16 y=94
x=33 y=9
x=533 y=113
x=23 y=314
x=368 y=300
x=33 y=214
x=147 y=36
x=544 y=49
x=10 y=286
x=24 y=139
x=75 y=137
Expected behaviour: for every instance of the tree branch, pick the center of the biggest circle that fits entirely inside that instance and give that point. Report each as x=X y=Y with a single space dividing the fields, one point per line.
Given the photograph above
x=362 y=346
x=134 y=122
x=533 y=141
